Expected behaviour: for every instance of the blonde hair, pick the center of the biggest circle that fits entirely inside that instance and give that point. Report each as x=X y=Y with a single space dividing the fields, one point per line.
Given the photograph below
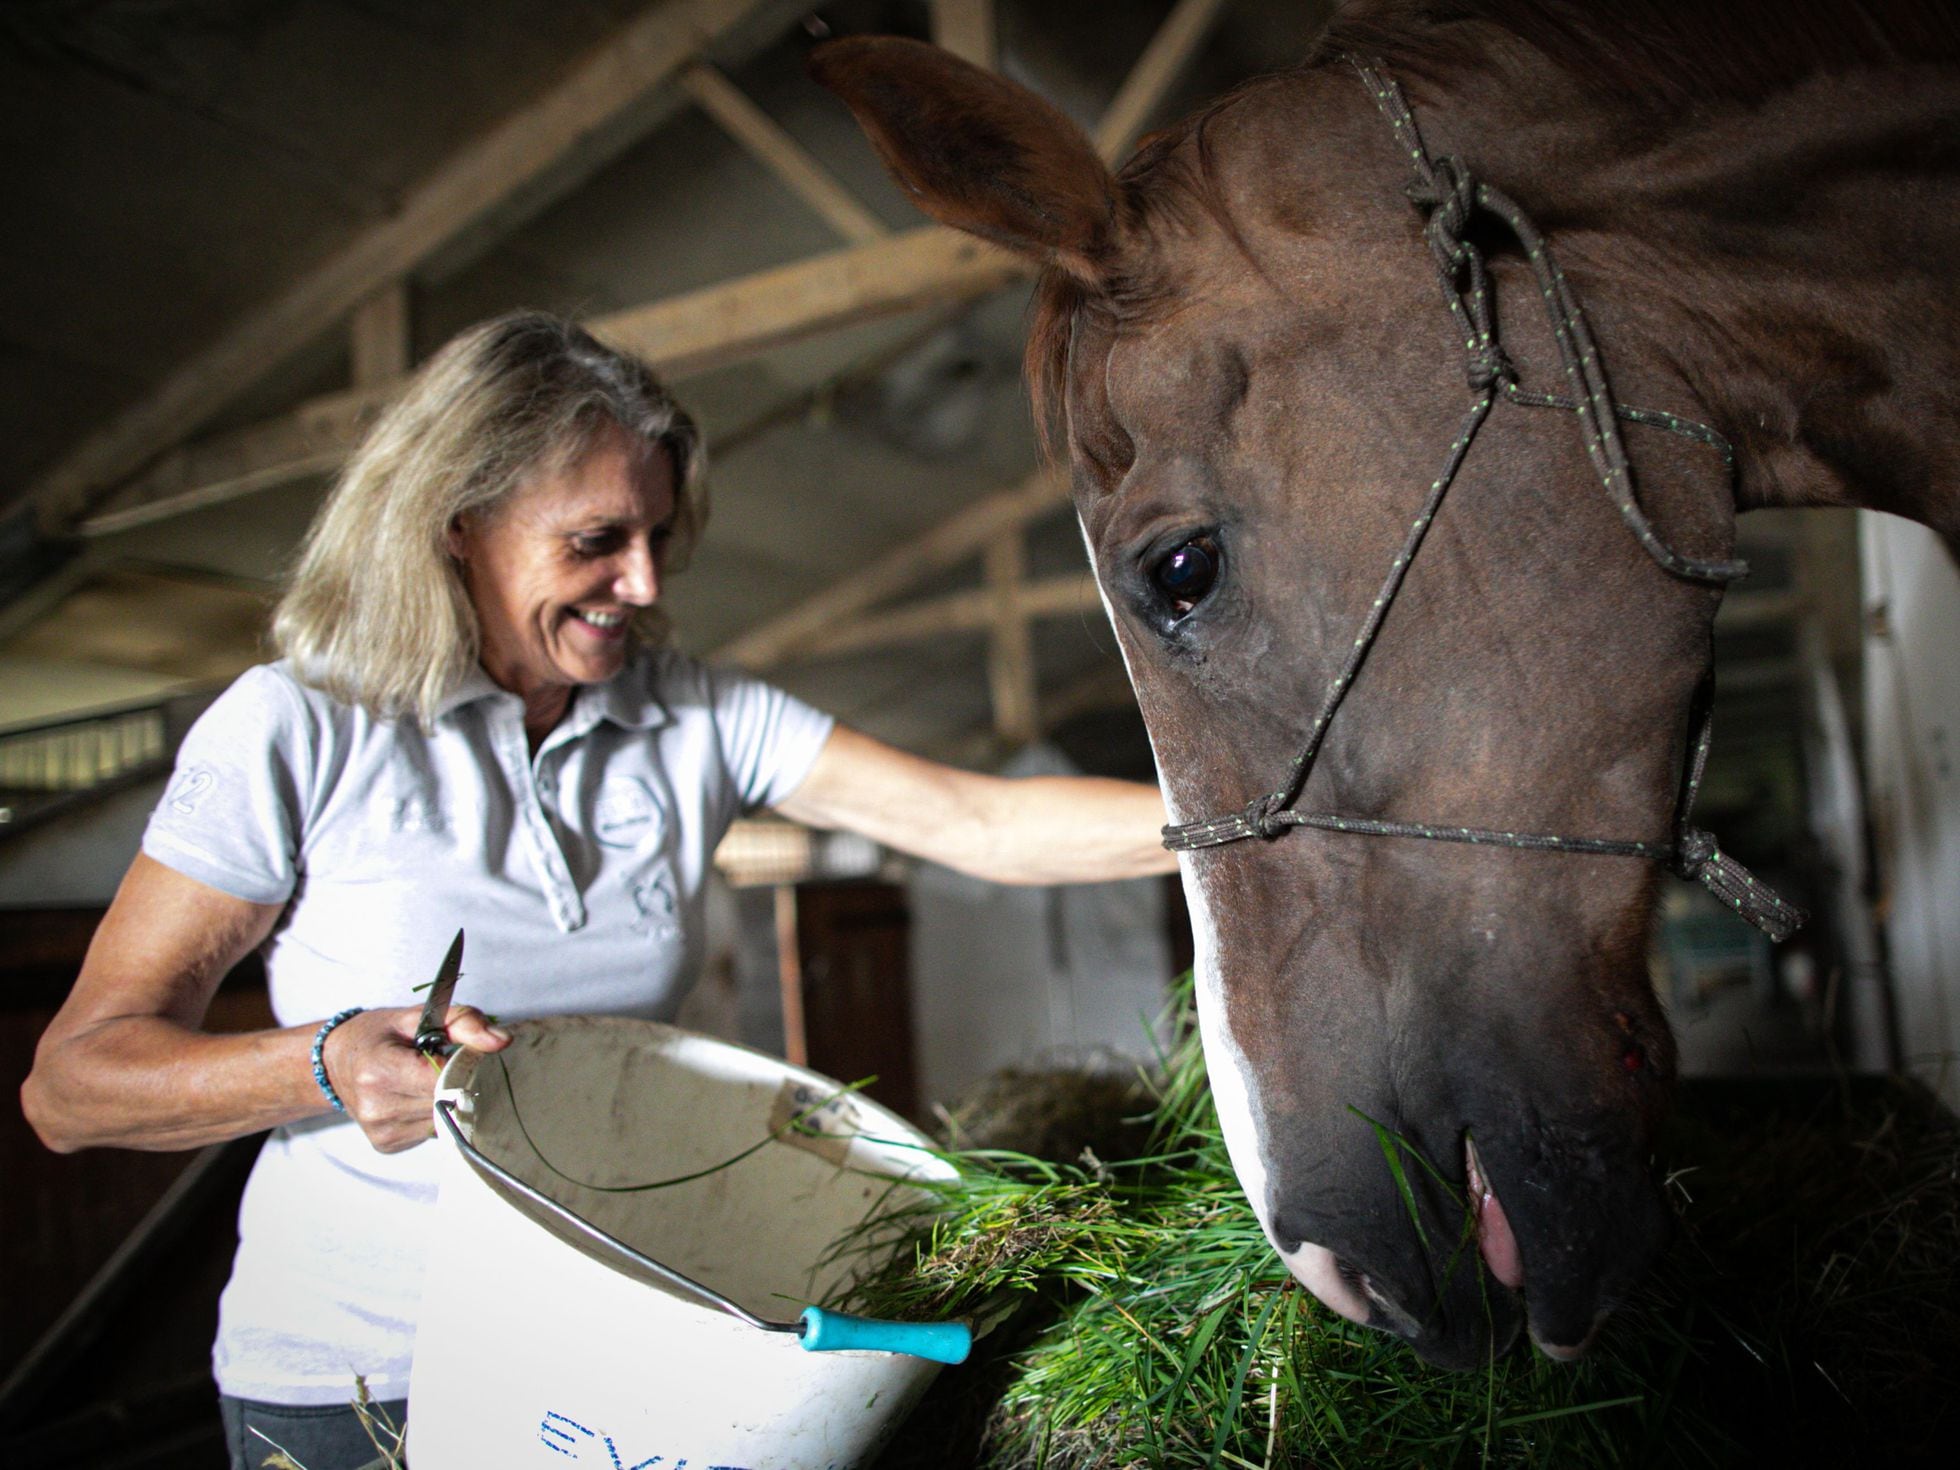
x=376 y=613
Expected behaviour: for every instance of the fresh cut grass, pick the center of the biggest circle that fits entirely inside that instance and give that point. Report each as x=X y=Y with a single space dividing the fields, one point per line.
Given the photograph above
x=1810 y=1309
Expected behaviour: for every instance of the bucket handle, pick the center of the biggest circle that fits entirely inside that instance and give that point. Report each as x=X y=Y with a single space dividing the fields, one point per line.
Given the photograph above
x=818 y=1329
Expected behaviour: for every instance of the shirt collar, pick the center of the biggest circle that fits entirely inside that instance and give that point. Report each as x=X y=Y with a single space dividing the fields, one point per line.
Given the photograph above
x=630 y=699
x=473 y=686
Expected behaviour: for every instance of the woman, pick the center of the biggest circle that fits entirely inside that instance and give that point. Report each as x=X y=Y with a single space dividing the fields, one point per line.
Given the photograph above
x=469 y=727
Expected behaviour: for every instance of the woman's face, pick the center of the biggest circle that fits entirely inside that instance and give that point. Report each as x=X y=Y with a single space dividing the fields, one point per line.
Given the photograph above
x=557 y=571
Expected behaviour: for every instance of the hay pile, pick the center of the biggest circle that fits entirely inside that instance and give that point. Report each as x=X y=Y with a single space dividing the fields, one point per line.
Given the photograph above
x=1810 y=1311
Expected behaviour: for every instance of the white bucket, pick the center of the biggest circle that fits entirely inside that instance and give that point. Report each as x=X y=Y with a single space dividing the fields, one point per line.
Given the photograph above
x=535 y=1348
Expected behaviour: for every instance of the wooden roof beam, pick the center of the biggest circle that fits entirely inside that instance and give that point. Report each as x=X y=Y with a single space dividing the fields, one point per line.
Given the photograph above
x=689 y=333
x=973 y=610
x=1163 y=61
x=511 y=157
x=781 y=154
x=692 y=332
x=379 y=347
x=966 y=28
x=820 y=619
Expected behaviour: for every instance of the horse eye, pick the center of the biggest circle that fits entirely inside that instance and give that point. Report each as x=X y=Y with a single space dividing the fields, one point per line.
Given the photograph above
x=1187 y=574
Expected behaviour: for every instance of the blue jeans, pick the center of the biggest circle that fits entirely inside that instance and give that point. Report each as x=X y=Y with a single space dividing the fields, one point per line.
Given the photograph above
x=314 y=1436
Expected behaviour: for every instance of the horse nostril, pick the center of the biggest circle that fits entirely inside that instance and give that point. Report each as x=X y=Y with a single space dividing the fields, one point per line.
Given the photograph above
x=1335 y=1284
x=1400 y=1320
x=1574 y=1353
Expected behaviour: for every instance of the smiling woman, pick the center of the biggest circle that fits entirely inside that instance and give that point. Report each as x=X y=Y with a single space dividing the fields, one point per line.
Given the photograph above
x=525 y=403
x=475 y=723
x=557 y=574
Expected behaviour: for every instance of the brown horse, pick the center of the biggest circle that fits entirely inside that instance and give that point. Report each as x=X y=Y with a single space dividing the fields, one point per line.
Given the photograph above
x=1361 y=596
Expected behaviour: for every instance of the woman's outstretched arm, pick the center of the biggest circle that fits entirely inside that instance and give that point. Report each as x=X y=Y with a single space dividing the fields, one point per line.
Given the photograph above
x=1036 y=829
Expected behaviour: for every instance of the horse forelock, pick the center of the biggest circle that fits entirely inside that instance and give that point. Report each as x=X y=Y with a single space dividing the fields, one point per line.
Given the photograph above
x=1172 y=183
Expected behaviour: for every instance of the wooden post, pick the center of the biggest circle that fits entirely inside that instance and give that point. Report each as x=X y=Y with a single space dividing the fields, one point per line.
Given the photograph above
x=789 y=978
x=966 y=28
x=377 y=337
x=1010 y=649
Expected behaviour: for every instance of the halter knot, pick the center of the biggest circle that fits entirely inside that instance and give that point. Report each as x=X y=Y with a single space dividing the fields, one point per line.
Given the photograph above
x=1262 y=815
x=1488 y=366
x=1693 y=851
x=1448 y=193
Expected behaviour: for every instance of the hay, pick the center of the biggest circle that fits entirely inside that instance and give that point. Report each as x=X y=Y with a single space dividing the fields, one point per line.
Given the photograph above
x=1810 y=1311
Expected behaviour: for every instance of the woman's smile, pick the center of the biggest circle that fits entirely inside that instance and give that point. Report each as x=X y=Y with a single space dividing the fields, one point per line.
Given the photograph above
x=557 y=573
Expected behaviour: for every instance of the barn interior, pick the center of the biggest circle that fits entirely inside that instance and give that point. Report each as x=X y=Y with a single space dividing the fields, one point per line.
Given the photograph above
x=237 y=224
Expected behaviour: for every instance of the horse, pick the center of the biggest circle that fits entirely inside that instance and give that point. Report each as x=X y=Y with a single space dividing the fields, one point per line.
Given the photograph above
x=1388 y=562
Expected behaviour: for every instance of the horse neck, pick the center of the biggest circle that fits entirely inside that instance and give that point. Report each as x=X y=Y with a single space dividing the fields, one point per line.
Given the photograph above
x=1790 y=262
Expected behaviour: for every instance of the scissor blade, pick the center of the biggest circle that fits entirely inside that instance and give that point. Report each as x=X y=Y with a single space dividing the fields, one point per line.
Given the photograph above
x=431 y=1034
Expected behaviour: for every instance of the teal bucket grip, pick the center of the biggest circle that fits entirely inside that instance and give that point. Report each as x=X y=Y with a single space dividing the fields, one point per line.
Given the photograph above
x=826 y=1331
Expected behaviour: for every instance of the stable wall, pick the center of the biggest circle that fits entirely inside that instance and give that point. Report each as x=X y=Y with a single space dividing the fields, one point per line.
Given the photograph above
x=77 y=859
x=1912 y=754
x=1025 y=977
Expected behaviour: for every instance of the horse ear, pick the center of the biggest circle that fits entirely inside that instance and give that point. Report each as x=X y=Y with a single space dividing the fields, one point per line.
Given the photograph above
x=977 y=151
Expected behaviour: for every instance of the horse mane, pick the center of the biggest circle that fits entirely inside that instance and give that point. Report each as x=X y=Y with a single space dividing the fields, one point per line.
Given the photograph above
x=1654 y=58
x=1653 y=55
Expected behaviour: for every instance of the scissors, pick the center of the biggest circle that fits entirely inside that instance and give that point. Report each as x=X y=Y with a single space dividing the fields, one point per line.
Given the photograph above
x=431 y=1036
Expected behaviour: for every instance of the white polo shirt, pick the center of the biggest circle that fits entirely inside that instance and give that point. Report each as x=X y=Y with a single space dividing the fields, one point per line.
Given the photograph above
x=576 y=873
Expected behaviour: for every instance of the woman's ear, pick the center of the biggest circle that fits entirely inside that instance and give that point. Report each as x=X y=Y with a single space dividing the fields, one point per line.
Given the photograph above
x=978 y=152
x=455 y=541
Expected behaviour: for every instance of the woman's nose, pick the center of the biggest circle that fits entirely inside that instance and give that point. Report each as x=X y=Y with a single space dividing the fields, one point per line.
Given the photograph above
x=639 y=577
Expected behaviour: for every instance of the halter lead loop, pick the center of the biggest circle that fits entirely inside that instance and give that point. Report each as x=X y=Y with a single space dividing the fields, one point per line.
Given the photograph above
x=1445 y=190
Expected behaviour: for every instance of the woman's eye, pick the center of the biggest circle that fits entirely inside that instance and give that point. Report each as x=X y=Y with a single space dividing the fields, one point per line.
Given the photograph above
x=1187 y=574
x=597 y=543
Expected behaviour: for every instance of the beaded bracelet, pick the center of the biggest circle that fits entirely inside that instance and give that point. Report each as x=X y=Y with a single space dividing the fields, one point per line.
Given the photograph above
x=319 y=1055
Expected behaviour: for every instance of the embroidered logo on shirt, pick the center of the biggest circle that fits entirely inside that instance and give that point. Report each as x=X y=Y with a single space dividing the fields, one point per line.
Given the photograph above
x=417 y=814
x=189 y=789
x=625 y=813
x=654 y=899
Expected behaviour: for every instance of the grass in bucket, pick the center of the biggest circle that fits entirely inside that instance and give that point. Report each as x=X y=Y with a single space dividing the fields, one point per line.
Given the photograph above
x=1810 y=1309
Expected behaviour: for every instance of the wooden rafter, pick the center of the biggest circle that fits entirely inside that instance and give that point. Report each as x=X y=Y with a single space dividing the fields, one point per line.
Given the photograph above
x=377 y=337
x=692 y=332
x=781 y=154
x=724 y=323
x=512 y=156
x=966 y=28
x=973 y=611
x=683 y=334
x=1142 y=92
x=947 y=544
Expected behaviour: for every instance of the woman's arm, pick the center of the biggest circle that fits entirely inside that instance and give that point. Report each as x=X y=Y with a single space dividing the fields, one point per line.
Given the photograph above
x=124 y=1063
x=1039 y=829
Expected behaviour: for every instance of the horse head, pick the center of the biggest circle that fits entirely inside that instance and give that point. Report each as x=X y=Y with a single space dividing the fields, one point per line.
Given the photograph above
x=1439 y=1064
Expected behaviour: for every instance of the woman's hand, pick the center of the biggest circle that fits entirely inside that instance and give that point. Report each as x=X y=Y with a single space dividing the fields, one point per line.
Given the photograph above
x=126 y=1062
x=386 y=1085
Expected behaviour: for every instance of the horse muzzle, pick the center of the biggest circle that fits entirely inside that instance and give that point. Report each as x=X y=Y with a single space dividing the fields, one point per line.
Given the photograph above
x=1458 y=1267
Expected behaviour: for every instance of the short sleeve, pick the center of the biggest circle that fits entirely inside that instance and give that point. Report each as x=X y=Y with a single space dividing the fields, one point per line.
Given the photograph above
x=769 y=739
x=232 y=815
